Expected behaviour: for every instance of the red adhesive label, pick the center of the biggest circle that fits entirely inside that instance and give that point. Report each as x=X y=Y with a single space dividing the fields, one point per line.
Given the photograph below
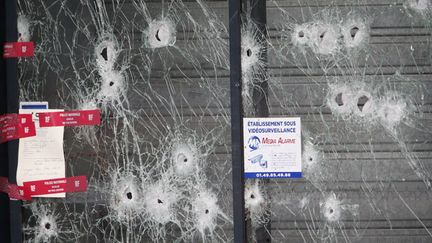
x=18 y=49
x=43 y=187
x=14 y=119
x=69 y=118
x=15 y=126
x=14 y=192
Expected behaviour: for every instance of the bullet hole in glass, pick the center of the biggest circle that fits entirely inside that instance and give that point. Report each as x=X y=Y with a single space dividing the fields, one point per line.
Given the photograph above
x=157 y=35
x=159 y=201
x=182 y=157
x=111 y=83
x=354 y=31
x=361 y=102
x=252 y=196
x=129 y=195
x=322 y=35
x=47 y=226
x=301 y=34
x=386 y=113
x=310 y=159
x=206 y=211
x=338 y=99
x=331 y=210
x=104 y=53
x=249 y=52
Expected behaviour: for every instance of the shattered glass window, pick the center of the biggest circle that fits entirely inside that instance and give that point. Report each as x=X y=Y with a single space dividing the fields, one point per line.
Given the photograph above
x=158 y=165
x=357 y=72
x=358 y=75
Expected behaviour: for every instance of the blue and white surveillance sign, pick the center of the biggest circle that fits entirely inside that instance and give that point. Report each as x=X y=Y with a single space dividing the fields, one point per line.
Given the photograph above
x=272 y=147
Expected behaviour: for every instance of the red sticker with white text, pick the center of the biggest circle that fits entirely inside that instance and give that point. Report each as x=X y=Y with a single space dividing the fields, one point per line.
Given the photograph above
x=18 y=49
x=14 y=119
x=69 y=118
x=14 y=192
x=15 y=126
x=43 y=187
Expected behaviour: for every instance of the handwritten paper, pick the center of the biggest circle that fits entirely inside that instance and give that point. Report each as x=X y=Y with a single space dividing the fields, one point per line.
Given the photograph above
x=41 y=157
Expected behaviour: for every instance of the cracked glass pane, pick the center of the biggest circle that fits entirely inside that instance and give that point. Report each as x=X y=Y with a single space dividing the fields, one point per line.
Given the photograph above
x=159 y=166
x=357 y=73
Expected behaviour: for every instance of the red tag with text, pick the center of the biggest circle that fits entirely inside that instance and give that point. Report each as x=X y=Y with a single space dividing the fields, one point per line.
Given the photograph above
x=15 y=126
x=42 y=187
x=14 y=192
x=18 y=49
x=69 y=118
x=14 y=119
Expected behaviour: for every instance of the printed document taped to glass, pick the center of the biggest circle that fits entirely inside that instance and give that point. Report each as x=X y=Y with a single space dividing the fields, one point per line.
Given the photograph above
x=272 y=147
x=41 y=157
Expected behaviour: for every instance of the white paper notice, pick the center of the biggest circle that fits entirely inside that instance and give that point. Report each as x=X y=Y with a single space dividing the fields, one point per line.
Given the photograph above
x=41 y=157
x=272 y=147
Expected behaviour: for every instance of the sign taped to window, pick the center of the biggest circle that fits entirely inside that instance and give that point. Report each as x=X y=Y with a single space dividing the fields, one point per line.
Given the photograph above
x=41 y=157
x=272 y=147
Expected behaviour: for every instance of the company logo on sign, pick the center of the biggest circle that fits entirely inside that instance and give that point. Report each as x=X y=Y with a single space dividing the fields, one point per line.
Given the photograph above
x=254 y=143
